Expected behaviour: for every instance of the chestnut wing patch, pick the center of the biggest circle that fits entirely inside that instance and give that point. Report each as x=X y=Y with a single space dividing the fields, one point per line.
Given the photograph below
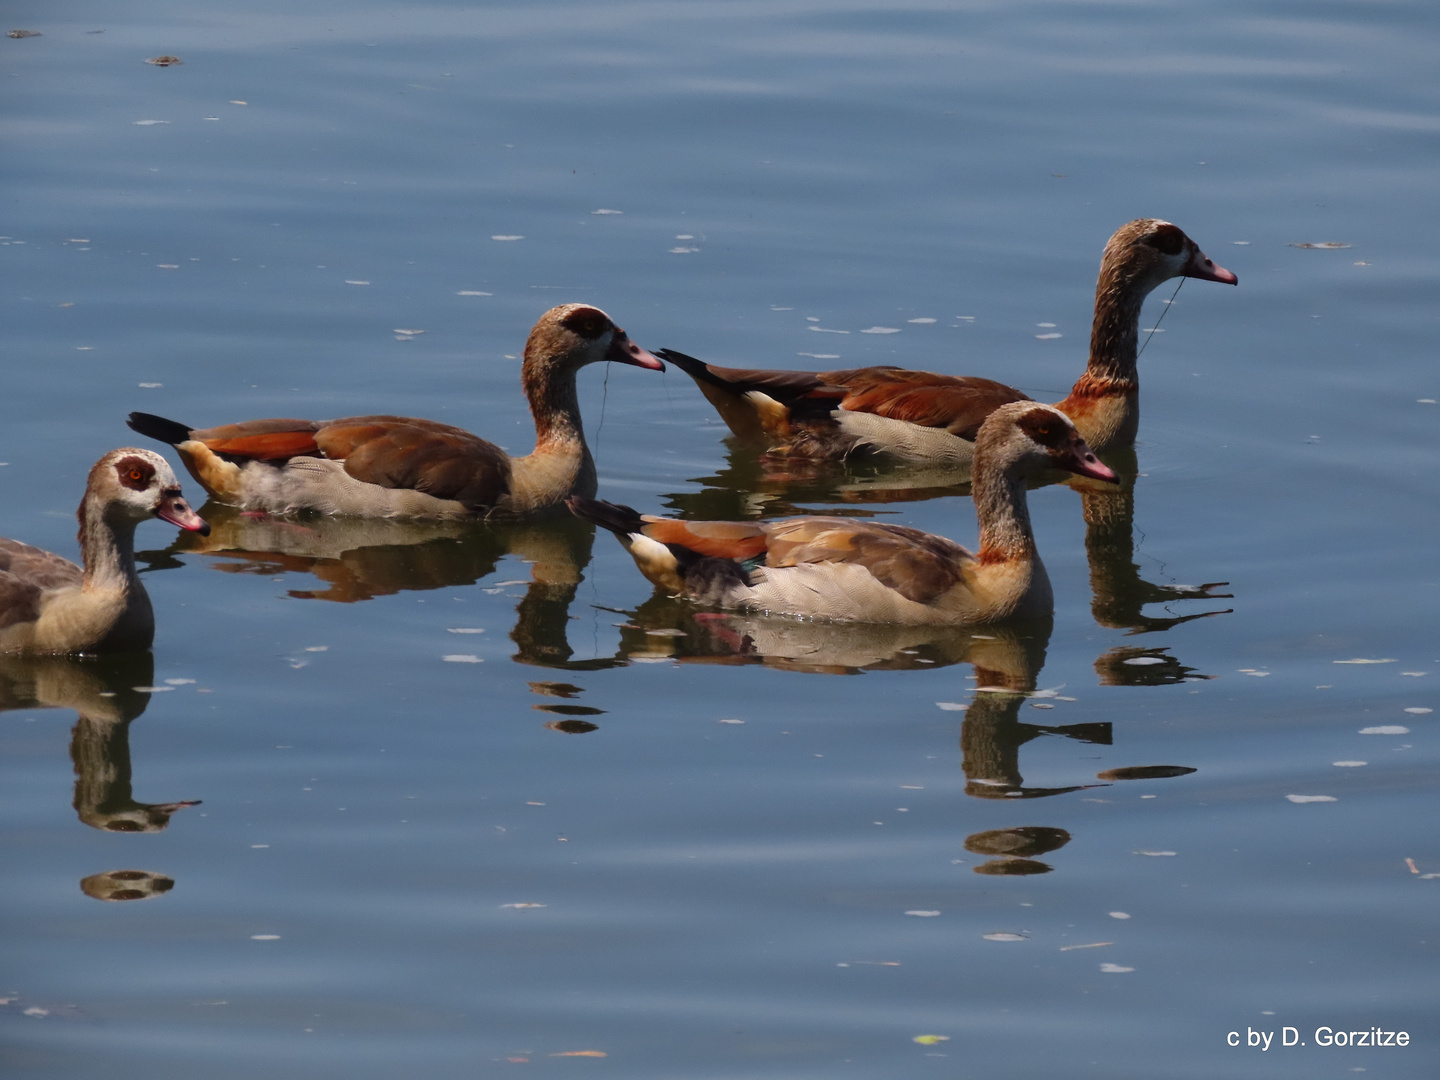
x=918 y=565
x=737 y=540
x=261 y=440
x=25 y=573
x=957 y=404
x=419 y=455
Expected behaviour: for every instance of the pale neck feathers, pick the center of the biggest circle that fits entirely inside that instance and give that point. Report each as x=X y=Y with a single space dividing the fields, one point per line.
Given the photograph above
x=560 y=463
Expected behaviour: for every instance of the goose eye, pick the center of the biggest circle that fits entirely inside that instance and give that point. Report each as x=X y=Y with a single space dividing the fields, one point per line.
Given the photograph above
x=1043 y=430
x=135 y=474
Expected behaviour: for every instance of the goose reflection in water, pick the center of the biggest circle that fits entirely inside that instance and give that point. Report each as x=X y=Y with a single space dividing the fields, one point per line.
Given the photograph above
x=1007 y=660
x=107 y=694
x=359 y=559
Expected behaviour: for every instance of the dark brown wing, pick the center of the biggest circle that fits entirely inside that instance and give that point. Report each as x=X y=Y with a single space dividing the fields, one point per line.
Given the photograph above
x=419 y=455
x=918 y=565
x=958 y=404
x=25 y=573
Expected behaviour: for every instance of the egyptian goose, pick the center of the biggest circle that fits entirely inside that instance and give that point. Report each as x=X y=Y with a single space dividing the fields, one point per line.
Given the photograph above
x=399 y=467
x=840 y=569
x=923 y=417
x=50 y=605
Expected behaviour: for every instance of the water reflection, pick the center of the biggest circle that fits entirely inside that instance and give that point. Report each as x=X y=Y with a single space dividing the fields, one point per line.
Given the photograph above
x=359 y=559
x=107 y=693
x=1014 y=850
x=1118 y=593
x=1007 y=661
x=751 y=485
x=126 y=885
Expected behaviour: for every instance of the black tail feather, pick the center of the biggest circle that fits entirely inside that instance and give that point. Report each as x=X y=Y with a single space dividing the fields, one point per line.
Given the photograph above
x=696 y=369
x=157 y=427
x=620 y=520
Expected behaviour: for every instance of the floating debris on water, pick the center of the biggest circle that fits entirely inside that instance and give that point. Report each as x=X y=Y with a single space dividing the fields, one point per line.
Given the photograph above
x=165 y=61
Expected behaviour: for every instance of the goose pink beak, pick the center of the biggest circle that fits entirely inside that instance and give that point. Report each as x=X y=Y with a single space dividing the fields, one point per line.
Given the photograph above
x=1081 y=460
x=624 y=351
x=1200 y=266
x=174 y=509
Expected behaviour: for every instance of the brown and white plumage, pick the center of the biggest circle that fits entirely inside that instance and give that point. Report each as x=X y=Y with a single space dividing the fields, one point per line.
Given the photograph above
x=50 y=605
x=845 y=570
x=926 y=417
x=402 y=467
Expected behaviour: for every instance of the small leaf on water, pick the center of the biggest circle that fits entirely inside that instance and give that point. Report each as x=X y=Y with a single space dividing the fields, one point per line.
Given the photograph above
x=578 y=1053
x=1088 y=945
x=930 y=1040
x=1002 y=935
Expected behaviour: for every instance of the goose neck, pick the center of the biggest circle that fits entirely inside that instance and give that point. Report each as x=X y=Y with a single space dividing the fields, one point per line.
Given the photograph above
x=107 y=546
x=1003 y=513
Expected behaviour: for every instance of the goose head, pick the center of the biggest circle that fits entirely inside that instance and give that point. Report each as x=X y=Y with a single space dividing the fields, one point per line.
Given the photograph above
x=572 y=335
x=1029 y=438
x=133 y=485
x=1147 y=251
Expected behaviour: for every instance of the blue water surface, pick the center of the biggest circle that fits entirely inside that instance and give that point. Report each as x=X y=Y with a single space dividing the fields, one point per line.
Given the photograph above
x=608 y=838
